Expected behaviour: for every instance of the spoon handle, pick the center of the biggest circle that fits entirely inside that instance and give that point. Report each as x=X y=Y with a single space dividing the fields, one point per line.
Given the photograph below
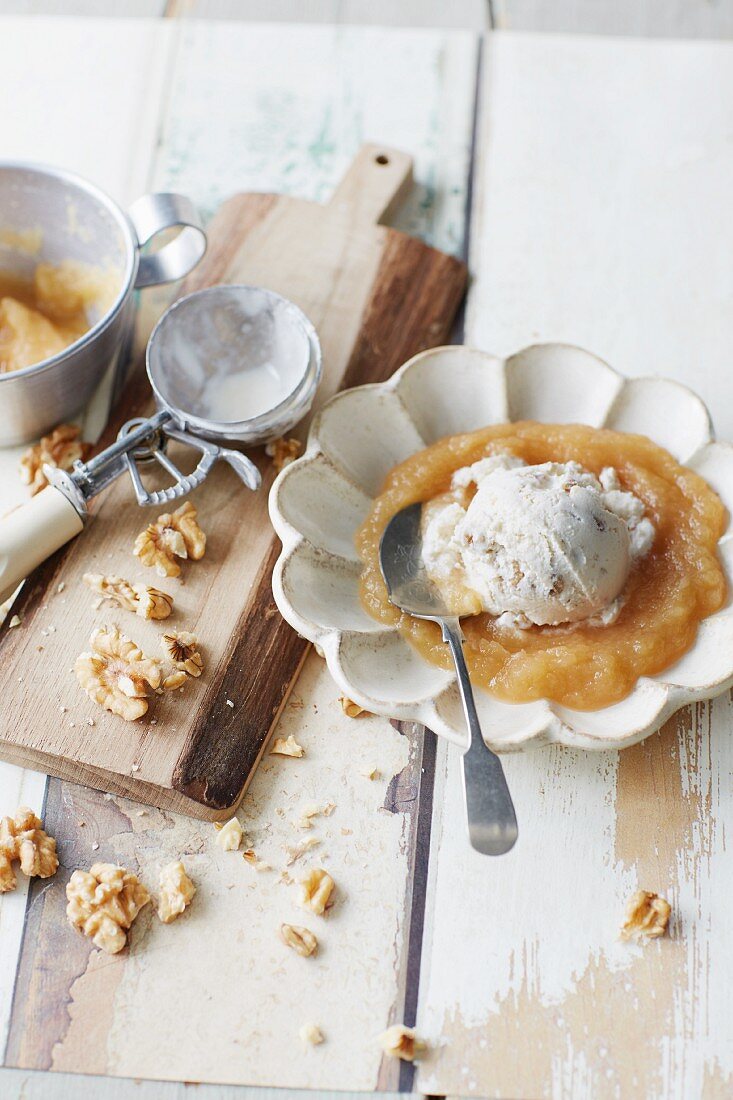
x=492 y=822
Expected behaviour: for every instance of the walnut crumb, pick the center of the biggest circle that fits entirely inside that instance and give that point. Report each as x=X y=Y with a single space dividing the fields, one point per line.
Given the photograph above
x=306 y=818
x=24 y=839
x=647 y=915
x=103 y=903
x=251 y=857
x=173 y=535
x=283 y=452
x=311 y=1035
x=302 y=940
x=401 y=1042
x=297 y=851
x=14 y=621
x=352 y=709
x=181 y=647
x=61 y=448
x=141 y=599
x=230 y=835
x=287 y=747
x=316 y=891
x=176 y=891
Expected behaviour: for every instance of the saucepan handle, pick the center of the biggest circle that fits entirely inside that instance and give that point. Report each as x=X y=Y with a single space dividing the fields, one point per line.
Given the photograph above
x=31 y=533
x=150 y=215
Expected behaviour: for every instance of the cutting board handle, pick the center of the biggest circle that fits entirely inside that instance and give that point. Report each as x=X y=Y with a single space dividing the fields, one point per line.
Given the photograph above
x=375 y=183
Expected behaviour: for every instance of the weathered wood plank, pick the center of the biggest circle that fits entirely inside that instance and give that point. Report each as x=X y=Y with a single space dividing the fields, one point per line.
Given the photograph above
x=601 y=218
x=650 y=18
x=16 y=1084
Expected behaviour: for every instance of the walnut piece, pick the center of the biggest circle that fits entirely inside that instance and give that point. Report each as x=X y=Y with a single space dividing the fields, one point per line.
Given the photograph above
x=283 y=452
x=116 y=674
x=230 y=835
x=251 y=857
x=180 y=647
x=647 y=915
x=176 y=891
x=173 y=535
x=62 y=448
x=302 y=940
x=401 y=1042
x=352 y=709
x=287 y=747
x=23 y=838
x=311 y=1034
x=316 y=890
x=103 y=903
x=147 y=602
x=313 y=810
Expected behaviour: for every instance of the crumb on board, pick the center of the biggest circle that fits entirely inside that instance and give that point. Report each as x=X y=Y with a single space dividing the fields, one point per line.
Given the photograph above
x=229 y=835
x=311 y=1035
x=302 y=940
x=399 y=1041
x=352 y=709
x=287 y=746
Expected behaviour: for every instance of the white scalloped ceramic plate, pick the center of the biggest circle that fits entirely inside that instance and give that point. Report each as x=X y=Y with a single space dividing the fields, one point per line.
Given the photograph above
x=317 y=503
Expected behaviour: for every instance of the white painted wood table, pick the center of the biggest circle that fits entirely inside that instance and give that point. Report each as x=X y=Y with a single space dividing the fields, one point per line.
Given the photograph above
x=601 y=216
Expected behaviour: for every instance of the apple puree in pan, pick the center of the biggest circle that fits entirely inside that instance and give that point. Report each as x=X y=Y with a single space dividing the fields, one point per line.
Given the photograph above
x=582 y=665
x=39 y=317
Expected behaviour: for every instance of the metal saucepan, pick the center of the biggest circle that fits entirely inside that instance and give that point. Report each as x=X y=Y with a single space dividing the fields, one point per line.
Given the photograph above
x=51 y=215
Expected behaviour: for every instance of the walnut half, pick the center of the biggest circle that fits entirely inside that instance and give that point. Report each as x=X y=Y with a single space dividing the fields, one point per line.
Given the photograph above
x=176 y=891
x=173 y=535
x=647 y=915
x=103 y=903
x=147 y=602
x=116 y=674
x=62 y=448
x=23 y=838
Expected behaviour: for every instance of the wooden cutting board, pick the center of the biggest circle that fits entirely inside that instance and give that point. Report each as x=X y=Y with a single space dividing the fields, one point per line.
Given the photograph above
x=376 y=297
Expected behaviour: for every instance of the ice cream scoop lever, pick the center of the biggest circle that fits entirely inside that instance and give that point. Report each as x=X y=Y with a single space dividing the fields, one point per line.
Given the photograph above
x=492 y=822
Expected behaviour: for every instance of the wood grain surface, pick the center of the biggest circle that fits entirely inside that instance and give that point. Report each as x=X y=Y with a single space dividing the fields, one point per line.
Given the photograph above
x=376 y=297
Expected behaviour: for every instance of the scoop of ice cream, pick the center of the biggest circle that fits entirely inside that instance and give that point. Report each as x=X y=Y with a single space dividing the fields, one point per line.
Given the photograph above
x=544 y=544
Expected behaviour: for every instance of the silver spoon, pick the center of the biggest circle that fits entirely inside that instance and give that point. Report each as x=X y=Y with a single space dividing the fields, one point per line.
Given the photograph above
x=492 y=823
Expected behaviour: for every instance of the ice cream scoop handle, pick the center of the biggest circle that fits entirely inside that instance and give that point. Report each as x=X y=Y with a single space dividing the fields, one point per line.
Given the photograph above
x=492 y=822
x=31 y=533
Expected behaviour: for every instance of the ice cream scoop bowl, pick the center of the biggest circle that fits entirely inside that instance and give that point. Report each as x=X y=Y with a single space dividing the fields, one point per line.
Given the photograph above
x=220 y=326
x=492 y=822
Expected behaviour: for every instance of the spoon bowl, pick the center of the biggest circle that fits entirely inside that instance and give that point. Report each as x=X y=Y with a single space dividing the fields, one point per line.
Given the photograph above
x=492 y=822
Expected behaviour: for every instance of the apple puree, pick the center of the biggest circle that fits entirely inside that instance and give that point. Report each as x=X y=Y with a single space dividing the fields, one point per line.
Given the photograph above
x=40 y=317
x=668 y=593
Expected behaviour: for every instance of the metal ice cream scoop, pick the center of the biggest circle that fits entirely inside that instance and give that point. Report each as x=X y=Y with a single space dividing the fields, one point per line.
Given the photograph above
x=492 y=822
x=228 y=364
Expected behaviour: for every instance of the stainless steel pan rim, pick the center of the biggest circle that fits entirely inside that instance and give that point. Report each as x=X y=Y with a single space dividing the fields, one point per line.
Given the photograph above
x=131 y=262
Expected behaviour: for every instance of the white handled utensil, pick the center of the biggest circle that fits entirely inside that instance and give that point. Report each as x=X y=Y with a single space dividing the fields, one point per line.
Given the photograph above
x=492 y=822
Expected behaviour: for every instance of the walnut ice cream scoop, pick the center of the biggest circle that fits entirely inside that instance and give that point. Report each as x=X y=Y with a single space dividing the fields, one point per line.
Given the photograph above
x=544 y=545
